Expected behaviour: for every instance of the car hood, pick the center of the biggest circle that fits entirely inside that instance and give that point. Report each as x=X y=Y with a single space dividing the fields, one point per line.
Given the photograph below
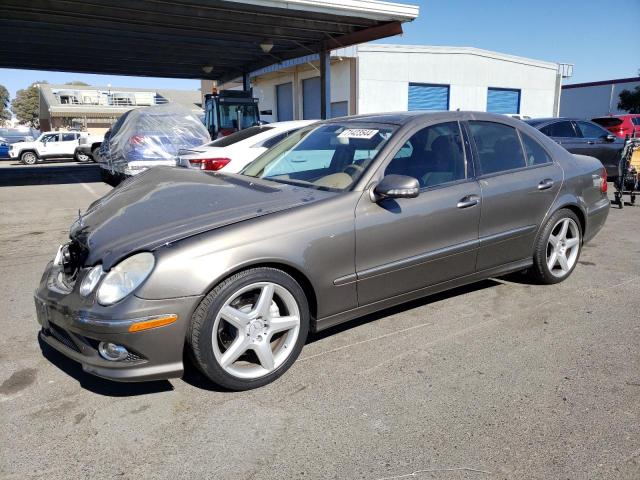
x=23 y=144
x=164 y=204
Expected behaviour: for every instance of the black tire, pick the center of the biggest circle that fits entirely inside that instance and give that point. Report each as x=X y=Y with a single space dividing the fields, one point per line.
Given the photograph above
x=105 y=176
x=28 y=158
x=540 y=270
x=94 y=154
x=201 y=327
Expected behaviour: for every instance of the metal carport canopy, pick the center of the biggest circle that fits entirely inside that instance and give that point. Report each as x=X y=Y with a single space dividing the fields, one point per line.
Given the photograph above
x=178 y=39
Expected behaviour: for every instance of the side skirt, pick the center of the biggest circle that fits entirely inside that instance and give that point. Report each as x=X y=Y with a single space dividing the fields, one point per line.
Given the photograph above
x=338 y=318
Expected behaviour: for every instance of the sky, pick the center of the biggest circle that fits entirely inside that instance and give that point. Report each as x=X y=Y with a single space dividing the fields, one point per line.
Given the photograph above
x=597 y=37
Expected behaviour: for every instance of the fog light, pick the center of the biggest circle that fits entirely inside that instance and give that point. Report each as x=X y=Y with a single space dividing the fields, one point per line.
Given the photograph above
x=112 y=352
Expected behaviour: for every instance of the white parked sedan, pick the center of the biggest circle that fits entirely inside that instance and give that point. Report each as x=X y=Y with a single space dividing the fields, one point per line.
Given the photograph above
x=233 y=153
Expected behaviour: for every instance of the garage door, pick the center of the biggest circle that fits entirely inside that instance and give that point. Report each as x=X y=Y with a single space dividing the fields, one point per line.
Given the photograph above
x=503 y=100
x=339 y=109
x=284 y=96
x=311 y=98
x=428 y=97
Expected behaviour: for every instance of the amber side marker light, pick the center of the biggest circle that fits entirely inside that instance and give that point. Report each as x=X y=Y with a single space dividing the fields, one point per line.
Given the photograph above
x=160 y=321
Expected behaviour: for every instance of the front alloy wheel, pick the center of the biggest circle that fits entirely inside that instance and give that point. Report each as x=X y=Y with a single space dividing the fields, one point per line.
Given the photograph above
x=28 y=158
x=250 y=329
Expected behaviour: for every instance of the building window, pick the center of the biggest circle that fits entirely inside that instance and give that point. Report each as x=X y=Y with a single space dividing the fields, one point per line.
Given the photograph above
x=503 y=100
x=424 y=96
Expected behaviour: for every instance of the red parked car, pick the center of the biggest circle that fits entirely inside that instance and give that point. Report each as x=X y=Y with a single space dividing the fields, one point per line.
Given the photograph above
x=621 y=125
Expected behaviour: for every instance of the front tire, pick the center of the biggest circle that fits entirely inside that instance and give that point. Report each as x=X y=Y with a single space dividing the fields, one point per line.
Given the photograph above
x=557 y=248
x=28 y=158
x=249 y=329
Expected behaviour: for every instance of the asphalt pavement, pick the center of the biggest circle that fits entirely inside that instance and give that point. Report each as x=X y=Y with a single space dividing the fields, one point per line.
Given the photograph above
x=498 y=380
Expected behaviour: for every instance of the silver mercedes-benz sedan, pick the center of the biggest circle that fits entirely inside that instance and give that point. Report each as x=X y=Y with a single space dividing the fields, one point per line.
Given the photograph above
x=340 y=219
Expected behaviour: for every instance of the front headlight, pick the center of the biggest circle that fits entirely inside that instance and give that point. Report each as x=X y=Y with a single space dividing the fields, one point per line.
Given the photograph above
x=90 y=280
x=125 y=277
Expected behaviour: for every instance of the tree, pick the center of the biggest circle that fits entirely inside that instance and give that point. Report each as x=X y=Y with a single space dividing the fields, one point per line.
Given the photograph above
x=630 y=100
x=5 y=114
x=77 y=82
x=26 y=105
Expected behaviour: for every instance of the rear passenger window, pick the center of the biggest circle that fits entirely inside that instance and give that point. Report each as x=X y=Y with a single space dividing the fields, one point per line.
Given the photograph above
x=270 y=142
x=433 y=155
x=591 y=131
x=498 y=147
x=67 y=137
x=533 y=152
x=559 y=129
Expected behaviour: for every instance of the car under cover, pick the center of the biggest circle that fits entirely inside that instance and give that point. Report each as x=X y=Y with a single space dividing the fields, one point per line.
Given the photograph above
x=167 y=204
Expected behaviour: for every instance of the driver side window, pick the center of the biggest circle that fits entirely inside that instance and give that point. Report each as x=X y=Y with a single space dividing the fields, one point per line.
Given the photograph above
x=51 y=138
x=433 y=156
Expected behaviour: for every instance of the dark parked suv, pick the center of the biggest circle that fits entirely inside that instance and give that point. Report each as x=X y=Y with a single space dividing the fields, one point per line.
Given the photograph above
x=585 y=138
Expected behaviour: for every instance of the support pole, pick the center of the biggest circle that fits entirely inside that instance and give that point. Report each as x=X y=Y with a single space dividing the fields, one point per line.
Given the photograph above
x=325 y=84
x=246 y=82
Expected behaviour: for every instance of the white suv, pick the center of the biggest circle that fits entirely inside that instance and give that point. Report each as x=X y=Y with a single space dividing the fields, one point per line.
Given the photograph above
x=48 y=145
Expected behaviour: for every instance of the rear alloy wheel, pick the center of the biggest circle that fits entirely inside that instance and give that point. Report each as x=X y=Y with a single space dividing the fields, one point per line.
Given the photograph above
x=250 y=329
x=29 y=158
x=82 y=157
x=558 y=247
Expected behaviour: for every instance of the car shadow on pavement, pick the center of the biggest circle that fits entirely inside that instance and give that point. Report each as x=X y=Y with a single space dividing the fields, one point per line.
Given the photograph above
x=420 y=302
x=99 y=385
x=49 y=174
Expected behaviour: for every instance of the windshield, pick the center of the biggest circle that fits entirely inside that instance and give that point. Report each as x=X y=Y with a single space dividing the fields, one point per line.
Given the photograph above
x=332 y=156
x=238 y=116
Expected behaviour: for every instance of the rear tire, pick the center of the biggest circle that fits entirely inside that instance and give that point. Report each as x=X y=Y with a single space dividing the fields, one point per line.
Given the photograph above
x=557 y=248
x=82 y=157
x=249 y=329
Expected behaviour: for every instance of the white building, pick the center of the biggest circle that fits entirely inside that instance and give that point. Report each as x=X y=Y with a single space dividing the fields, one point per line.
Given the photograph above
x=95 y=109
x=594 y=99
x=381 y=78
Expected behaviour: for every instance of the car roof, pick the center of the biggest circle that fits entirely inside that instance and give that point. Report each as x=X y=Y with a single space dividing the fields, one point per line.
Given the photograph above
x=290 y=123
x=540 y=121
x=422 y=117
x=625 y=115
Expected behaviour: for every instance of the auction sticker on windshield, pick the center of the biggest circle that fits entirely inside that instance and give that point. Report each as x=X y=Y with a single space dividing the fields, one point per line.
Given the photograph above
x=358 y=133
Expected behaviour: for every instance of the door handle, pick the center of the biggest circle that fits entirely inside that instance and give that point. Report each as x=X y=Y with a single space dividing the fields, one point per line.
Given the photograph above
x=468 y=201
x=545 y=184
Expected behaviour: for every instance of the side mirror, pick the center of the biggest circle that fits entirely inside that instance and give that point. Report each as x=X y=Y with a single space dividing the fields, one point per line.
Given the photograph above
x=610 y=138
x=395 y=186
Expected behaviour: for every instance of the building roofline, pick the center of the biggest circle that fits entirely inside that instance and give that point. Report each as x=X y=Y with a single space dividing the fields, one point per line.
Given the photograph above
x=371 y=9
x=453 y=50
x=57 y=86
x=602 y=82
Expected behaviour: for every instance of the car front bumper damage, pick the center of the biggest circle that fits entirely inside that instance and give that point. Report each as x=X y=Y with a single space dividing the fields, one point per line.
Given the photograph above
x=75 y=326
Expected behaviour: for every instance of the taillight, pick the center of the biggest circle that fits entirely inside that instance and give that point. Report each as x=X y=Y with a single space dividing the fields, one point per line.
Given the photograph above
x=137 y=140
x=209 y=163
x=603 y=180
